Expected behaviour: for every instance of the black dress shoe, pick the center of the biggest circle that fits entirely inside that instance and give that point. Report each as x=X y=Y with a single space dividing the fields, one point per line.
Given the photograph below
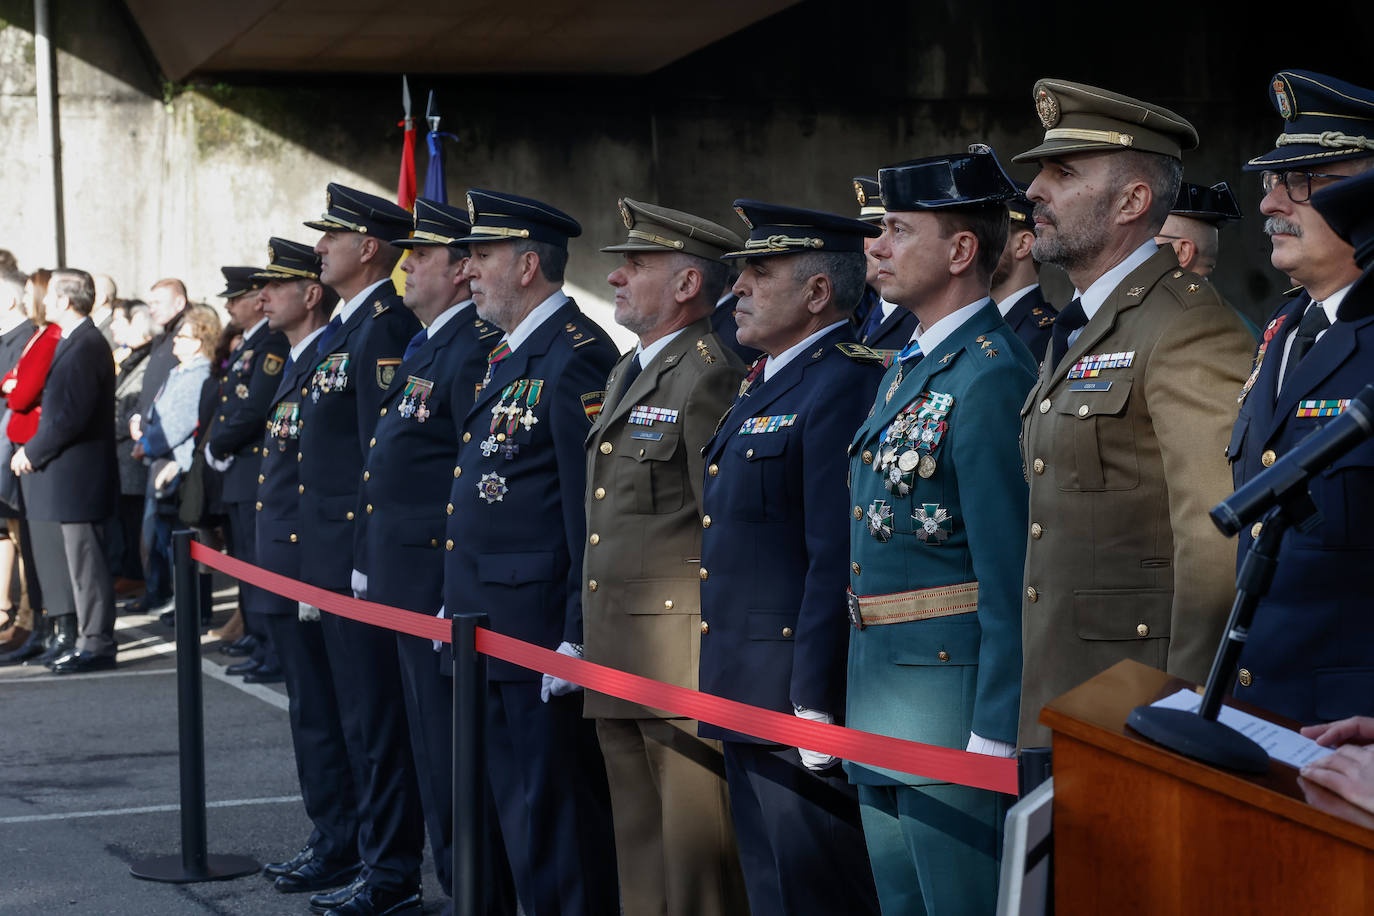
x=319 y=903
x=243 y=667
x=240 y=647
x=83 y=663
x=316 y=875
x=377 y=901
x=277 y=869
x=265 y=674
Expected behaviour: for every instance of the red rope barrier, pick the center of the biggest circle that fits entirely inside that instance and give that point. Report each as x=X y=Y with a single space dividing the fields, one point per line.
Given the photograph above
x=977 y=770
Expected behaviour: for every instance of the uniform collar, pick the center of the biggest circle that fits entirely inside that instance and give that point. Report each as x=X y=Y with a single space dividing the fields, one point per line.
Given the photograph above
x=346 y=310
x=776 y=363
x=1007 y=304
x=646 y=355
x=252 y=332
x=535 y=318
x=305 y=342
x=445 y=317
x=1096 y=294
x=940 y=330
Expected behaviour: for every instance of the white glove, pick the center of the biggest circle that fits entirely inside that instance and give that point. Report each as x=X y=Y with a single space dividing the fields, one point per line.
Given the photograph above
x=981 y=745
x=556 y=686
x=442 y=615
x=814 y=760
x=216 y=463
x=358 y=582
x=307 y=614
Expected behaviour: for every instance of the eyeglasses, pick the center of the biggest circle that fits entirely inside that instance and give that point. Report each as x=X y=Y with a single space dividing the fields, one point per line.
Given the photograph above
x=1298 y=184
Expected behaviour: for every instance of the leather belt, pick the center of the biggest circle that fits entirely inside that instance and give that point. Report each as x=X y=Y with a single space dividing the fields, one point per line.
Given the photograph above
x=904 y=607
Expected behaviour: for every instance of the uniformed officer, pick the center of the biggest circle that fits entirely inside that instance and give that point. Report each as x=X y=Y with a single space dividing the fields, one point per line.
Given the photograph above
x=773 y=623
x=1133 y=404
x=232 y=446
x=297 y=305
x=355 y=364
x=1016 y=280
x=514 y=544
x=881 y=325
x=938 y=495
x=406 y=477
x=640 y=586
x=1194 y=225
x=1307 y=655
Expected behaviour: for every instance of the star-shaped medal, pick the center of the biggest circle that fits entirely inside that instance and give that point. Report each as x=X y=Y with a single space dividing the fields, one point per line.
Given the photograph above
x=880 y=520
x=492 y=487
x=932 y=522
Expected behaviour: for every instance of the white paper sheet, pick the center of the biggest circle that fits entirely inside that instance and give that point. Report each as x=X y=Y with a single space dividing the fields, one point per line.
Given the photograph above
x=1281 y=744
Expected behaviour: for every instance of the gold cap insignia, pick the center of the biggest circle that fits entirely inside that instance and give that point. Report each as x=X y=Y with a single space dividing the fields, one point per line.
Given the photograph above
x=740 y=211
x=626 y=215
x=271 y=255
x=1281 y=99
x=859 y=193
x=472 y=210
x=328 y=200
x=1047 y=107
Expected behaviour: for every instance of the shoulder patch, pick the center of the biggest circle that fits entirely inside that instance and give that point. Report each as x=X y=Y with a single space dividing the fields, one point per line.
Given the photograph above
x=272 y=364
x=386 y=372
x=862 y=354
x=591 y=404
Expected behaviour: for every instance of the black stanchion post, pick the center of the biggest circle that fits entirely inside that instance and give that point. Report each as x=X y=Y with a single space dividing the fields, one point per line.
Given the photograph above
x=194 y=863
x=469 y=766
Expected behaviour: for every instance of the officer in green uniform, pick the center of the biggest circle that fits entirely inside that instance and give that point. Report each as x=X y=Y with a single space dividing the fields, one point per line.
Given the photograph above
x=938 y=503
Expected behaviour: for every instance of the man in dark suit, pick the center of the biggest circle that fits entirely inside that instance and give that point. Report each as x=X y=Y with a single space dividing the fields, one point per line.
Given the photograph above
x=232 y=445
x=514 y=546
x=1016 y=281
x=297 y=305
x=879 y=324
x=406 y=479
x=355 y=363
x=1308 y=653
x=774 y=624
x=68 y=470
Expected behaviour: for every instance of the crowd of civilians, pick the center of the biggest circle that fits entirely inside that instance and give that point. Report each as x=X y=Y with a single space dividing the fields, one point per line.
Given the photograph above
x=99 y=456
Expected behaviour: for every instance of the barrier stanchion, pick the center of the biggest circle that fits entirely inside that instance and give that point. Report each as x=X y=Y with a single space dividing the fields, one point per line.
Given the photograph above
x=194 y=864
x=469 y=766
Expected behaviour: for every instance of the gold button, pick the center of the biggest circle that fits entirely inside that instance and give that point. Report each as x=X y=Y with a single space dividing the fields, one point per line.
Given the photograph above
x=259 y=506
x=349 y=516
x=300 y=488
x=1083 y=410
x=705 y=628
x=434 y=542
x=591 y=585
x=467 y=437
x=867 y=457
x=1268 y=458
x=1045 y=406
x=1039 y=465
x=749 y=454
x=858 y=513
x=372 y=443
x=641 y=453
x=457 y=472
x=261 y=478
x=500 y=437
x=1142 y=629
x=668 y=604
x=1036 y=530
x=605 y=448
x=594 y=539
x=1032 y=594
x=304 y=392
x=367 y=475
x=704 y=573
x=942 y=655
x=713 y=470
x=1256 y=528
x=299 y=457
x=706 y=521
x=224 y=398
x=599 y=493
x=449 y=508
x=855 y=567
x=369 y=508
x=293 y=537
x=1246 y=678
x=383 y=413
x=786 y=632
x=448 y=545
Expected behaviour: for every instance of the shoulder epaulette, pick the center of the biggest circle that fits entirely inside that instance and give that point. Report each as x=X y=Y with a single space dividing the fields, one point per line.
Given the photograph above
x=577 y=338
x=483 y=329
x=862 y=354
x=380 y=307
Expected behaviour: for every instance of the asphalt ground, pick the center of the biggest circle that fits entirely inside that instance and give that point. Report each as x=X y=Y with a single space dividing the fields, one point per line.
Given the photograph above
x=89 y=784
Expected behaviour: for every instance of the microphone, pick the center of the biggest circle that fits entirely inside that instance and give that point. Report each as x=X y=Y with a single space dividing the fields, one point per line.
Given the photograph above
x=1289 y=475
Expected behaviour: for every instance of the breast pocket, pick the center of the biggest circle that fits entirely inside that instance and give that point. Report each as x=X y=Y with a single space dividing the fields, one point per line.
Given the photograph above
x=1097 y=446
x=761 y=462
x=651 y=481
x=1343 y=494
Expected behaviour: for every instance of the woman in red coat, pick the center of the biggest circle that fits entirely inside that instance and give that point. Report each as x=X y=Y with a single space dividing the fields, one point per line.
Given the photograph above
x=22 y=386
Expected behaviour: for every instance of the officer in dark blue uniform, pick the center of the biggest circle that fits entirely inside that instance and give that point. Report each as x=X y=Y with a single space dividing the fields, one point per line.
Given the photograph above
x=879 y=324
x=514 y=543
x=1194 y=224
x=232 y=447
x=773 y=555
x=297 y=305
x=1016 y=280
x=406 y=479
x=355 y=365
x=1309 y=649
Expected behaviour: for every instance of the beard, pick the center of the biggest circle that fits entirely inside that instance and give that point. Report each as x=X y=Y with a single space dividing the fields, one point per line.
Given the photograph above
x=1076 y=241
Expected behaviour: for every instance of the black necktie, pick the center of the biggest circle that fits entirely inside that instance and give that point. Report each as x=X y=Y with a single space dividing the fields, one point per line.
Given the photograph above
x=631 y=373
x=1071 y=319
x=1314 y=321
x=326 y=338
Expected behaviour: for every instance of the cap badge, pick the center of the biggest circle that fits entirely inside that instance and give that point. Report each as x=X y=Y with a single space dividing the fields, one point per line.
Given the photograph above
x=626 y=215
x=1281 y=99
x=472 y=210
x=328 y=200
x=859 y=193
x=271 y=255
x=740 y=211
x=1047 y=106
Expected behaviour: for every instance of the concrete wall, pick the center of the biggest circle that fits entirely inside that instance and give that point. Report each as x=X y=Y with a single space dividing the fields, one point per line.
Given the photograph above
x=166 y=179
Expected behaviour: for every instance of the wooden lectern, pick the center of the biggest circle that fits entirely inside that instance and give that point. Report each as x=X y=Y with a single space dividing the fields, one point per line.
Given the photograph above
x=1141 y=829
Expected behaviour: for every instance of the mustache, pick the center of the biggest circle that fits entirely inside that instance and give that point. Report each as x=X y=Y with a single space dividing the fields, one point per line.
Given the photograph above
x=1275 y=225
x=1042 y=212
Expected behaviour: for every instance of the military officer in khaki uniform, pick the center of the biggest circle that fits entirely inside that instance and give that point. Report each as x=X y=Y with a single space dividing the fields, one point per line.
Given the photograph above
x=1124 y=433
x=641 y=609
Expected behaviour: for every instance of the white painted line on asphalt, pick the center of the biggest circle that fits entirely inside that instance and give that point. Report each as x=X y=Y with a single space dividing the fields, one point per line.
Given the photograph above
x=47 y=678
x=216 y=672
x=148 y=809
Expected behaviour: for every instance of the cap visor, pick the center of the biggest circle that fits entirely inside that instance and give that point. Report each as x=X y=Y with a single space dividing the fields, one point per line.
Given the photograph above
x=758 y=253
x=1300 y=154
x=328 y=226
x=418 y=243
x=639 y=246
x=1063 y=147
